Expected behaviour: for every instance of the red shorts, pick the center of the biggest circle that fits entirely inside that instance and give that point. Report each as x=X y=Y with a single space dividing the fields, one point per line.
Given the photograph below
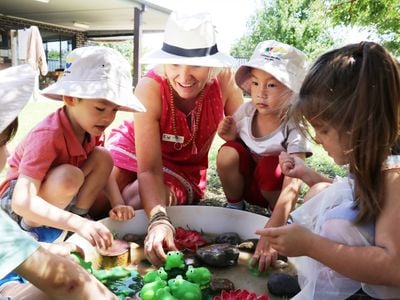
x=264 y=175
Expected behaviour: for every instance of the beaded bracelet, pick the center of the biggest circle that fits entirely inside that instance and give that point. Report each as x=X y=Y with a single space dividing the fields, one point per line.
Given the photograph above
x=161 y=222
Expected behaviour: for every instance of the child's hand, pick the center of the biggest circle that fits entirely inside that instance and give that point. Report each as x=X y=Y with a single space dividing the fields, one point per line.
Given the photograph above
x=264 y=256
x=292 y=166
x=96 y=233
x=288 y=240
x=227 y=129
x=122 y=212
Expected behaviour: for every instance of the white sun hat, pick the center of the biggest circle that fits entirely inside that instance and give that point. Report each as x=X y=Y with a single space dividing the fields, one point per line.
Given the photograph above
x=96 y=72
x=189 y=39
x=286 y=63
x=16 y=88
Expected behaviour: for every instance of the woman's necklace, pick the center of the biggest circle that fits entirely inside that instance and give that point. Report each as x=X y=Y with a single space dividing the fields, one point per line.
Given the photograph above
x=194 y=124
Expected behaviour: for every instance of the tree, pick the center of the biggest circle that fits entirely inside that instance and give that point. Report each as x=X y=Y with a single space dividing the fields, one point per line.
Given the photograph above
x=301 y=23
x=381 y=15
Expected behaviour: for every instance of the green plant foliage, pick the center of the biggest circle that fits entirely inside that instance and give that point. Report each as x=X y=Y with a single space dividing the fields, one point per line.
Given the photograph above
x=382 y=15
x=301 y=23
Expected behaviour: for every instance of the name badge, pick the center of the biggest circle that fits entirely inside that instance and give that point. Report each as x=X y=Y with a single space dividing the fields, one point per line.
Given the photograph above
x=172 y=138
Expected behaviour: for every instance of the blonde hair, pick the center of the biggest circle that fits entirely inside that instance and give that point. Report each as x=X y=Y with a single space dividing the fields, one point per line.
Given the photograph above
x=213 y=72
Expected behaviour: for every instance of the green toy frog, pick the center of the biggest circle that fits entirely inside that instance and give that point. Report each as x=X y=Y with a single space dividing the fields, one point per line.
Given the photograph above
x=87 y=265
x=164 y=294
x=183 y=289
x=201 y=275
x=112 y=274
x=153 y=275
x=174 y=260
x=149 y=290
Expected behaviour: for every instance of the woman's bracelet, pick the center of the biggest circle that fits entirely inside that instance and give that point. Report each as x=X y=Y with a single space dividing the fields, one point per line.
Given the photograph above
x=161 y=222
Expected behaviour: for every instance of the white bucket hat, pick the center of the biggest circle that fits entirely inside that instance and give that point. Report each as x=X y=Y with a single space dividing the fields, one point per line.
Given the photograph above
x=96 y=72
x=189 y=40
x=16 y=88
x=286 y=63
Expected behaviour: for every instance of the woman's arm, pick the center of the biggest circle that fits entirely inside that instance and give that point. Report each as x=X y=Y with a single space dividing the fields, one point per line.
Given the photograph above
x=148 y=147
x=232 y=95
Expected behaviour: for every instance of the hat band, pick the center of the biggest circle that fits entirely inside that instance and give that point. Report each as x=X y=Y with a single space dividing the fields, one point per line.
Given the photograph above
x=190 y=52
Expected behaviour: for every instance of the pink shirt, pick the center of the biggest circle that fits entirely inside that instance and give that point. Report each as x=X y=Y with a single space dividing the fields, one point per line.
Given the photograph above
x=50 y=144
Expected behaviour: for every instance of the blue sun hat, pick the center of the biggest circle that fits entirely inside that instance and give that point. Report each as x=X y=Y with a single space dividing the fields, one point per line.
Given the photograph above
x=286 y=63
x=97 y=72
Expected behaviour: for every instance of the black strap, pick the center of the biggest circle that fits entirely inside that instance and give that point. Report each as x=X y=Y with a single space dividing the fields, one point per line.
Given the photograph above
x=198 y=52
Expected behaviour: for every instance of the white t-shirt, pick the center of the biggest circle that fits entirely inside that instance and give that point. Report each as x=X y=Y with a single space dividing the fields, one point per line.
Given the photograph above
x=285 y=138
x=16 y=245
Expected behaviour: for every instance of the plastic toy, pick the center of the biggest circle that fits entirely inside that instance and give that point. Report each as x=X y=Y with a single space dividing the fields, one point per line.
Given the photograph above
x=87 y=265
x=183 y=289
x=201 y=276
x=149 y=290
x=174 y=260
x=255 y=271
x=240 y=295
x=164 y=294
x=112 y=274
x=153 y=275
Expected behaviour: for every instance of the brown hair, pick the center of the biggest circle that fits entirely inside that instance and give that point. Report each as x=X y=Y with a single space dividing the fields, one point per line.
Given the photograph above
x=356 y=90
x=7 y=134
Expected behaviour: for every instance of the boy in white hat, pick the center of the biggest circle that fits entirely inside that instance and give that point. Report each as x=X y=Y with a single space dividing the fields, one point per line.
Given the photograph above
x=248 y=163
x=61 y=159
x=41 y=264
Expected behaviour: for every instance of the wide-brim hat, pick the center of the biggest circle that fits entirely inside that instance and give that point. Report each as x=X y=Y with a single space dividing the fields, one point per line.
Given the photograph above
x=16 y=88
x=286 y=63
x=189 y=40
x=97 y=72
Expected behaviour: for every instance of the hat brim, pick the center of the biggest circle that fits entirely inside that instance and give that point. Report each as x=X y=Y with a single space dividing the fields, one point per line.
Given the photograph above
x=16 y=88
x=103 y=89
x=243 y=76
x=160 y=57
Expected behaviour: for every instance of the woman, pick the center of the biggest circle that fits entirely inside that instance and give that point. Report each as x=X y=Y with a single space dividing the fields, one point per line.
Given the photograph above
x=162 y=158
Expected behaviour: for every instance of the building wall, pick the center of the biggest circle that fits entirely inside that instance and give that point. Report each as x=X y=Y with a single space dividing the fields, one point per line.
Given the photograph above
x=79 y=38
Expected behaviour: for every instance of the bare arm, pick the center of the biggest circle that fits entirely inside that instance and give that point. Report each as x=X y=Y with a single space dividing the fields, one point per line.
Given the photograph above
x=376 y=264
x=27 y=203
x=148 y=147
x=119 y=211
x=296 y=167
x=232 y=95
x=154 y=194
x=59 y=278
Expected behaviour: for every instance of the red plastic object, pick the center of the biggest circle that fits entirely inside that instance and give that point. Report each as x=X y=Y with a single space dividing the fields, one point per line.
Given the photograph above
x=239 y=295
x=188 y=239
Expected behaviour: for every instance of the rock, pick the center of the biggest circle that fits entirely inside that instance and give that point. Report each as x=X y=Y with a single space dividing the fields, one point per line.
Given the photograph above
x=228 y=237
x=283 y=285
x=219 y=255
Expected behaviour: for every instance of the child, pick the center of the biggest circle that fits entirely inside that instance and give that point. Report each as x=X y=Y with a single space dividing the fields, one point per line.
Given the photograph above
x=347 y=235
x=56 y=276
x=248 y=163
x=60 y=163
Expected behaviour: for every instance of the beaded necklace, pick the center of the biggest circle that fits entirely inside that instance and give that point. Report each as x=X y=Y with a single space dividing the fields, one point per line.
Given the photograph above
x=195 y=123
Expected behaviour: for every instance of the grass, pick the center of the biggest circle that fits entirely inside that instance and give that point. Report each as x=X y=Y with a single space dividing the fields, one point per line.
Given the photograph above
x=34 y=112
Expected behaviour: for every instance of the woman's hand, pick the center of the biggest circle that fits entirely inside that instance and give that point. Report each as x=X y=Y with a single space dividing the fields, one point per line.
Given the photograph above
x=159 y=235
x=122 y=212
